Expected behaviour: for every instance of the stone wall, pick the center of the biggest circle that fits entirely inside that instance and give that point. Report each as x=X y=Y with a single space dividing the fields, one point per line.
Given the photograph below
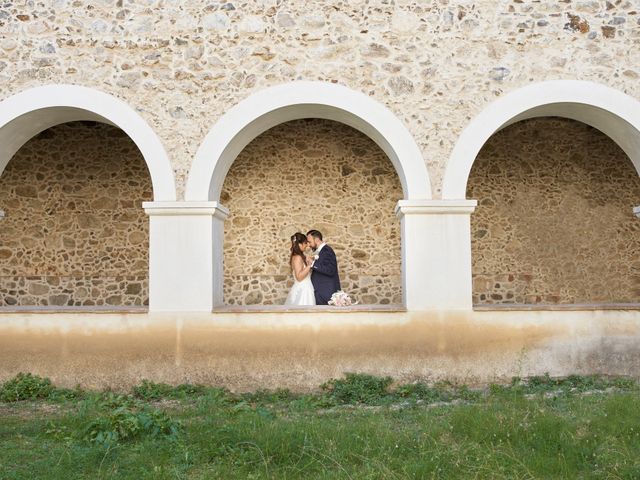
x=436 y=64
x=311 y=174
x=554 y=222
x=75 y=232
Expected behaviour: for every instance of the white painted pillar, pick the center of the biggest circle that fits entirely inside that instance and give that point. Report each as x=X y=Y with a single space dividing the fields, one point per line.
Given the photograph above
x=185 y=255
x=436 y=253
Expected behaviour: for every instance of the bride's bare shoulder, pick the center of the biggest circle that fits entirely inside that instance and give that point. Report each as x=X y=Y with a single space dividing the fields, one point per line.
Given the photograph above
x=296 y=260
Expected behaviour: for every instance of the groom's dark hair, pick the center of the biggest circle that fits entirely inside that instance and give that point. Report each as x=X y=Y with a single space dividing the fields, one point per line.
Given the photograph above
x=315 y=234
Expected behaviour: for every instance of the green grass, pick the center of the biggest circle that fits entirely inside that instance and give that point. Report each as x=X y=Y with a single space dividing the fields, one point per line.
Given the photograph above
x=577 y=427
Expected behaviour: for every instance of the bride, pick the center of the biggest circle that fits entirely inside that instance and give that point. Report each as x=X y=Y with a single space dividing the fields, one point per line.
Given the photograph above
x=301 y=292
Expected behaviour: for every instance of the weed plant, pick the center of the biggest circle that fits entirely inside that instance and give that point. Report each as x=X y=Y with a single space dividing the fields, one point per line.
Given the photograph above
x=26 y=386
x=148 y=390
x=358 y=388
x=122 y=418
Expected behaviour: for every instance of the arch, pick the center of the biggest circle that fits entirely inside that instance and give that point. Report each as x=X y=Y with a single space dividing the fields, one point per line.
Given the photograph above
x=32 y=111
x=275 y=105
x=614 y=113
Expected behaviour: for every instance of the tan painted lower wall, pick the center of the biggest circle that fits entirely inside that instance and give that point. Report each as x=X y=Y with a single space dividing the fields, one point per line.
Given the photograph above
x=301 y=350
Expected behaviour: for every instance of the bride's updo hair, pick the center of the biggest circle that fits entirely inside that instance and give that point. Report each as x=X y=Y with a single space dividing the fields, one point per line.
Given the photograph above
x=298 y=243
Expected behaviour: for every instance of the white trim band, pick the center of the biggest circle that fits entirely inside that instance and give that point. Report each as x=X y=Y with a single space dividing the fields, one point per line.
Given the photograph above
x=303 y=99
x=611 y=111
x=25 y=114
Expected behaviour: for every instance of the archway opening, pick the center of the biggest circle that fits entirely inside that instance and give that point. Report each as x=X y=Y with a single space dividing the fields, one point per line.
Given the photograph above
x=303 y=174
x=274 y=106
x=554 y=222
x=74 y=232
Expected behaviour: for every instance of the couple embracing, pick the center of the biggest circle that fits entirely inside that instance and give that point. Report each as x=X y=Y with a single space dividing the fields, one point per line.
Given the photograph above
x=315 y=276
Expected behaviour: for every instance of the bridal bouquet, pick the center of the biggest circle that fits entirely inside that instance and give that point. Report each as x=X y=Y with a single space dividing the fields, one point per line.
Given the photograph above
x=341 y=299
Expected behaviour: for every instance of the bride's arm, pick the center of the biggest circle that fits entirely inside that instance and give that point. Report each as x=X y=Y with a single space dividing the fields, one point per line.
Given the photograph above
x=300 y=270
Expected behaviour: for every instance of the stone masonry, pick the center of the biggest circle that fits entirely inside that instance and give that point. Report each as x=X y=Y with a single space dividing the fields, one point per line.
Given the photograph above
x=435 y=64
x=75 y=232
x=554 y=222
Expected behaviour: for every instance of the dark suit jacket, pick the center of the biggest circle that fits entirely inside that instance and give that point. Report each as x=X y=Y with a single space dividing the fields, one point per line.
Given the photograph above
x=324 y=275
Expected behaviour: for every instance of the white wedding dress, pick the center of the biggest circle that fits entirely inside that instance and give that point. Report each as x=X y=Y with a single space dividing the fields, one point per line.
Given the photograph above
x=301 y=293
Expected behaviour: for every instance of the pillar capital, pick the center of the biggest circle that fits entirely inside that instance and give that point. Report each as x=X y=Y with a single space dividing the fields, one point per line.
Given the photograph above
x=435 y=207
x=215 y=209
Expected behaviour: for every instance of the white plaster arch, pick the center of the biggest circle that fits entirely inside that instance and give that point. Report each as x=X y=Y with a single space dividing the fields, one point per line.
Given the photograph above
x=32 y=111
x=303 y=99
x=614 y=113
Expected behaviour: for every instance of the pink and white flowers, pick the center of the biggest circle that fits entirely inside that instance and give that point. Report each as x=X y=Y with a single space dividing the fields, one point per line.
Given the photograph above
x=341 y=299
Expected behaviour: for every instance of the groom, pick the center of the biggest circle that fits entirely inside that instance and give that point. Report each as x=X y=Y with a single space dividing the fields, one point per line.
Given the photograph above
x=324 y=273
